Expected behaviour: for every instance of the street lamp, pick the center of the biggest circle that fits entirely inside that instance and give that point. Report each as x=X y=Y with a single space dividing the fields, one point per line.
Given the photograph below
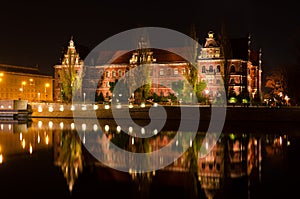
x=46 y=86
x=23 y=88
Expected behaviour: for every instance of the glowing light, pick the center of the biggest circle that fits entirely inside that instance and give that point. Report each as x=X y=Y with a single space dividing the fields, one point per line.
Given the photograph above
x=143 y=131
x=143 y=105
x=130 y=129
x=130 y=105
x=1 y=158
x=83 y=126
x=132 y=141
x=61 y=125
x=155 y=104
x=50 y=124
x=40 y=109
x=119 y=105
x=61 y=108
x=95 y=106
x=47 y=139
x=72 y=107
x=50 y=108
x=155 y=131
x=84 y=108
x=30 y=148
x=1 y=126
x=23 y=143
x=40 y=124
x=38 y=138
x=106 y=106
x=95 y=127
x=21 y=136
x=118 y=129
x=72 y=126
x=106 y=128
x=9 y=127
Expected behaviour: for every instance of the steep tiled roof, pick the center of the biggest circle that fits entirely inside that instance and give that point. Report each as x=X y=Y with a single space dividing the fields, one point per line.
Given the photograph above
x=171 y=55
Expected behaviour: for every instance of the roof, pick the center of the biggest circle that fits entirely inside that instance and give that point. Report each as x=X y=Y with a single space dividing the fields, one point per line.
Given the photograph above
x=170 y=55
x=21 y=69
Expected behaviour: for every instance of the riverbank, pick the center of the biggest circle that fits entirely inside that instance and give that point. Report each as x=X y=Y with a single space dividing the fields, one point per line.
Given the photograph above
x=100 y=111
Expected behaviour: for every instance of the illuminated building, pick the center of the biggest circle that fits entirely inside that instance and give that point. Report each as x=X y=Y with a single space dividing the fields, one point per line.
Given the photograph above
x=241 y=76
x=20 y=82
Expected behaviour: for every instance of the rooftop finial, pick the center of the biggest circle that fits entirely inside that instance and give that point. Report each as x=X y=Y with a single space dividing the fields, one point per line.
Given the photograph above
x=71 y=42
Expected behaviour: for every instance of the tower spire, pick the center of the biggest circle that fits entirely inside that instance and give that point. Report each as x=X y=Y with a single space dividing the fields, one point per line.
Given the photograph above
x=249 y=47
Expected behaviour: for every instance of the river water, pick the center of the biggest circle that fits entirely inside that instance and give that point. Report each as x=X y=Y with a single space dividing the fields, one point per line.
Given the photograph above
x=63 y=158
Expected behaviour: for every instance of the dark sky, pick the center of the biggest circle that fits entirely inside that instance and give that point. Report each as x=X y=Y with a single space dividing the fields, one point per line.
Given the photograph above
x=35 y=32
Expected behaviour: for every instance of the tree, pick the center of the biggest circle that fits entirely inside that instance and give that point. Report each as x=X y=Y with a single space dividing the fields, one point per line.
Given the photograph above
x=71 y=74
x=139 y=70
x=227 y=54
x=192 y=51
x=276 y=82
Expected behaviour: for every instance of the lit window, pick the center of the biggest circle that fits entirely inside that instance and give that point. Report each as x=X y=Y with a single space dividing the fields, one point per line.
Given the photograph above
x=203 y=69
x=120 y=73
x=183 y=71
x=175 y=71
x=161 y=71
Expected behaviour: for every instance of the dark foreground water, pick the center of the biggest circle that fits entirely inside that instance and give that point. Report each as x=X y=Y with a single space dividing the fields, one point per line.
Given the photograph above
x=52 y=158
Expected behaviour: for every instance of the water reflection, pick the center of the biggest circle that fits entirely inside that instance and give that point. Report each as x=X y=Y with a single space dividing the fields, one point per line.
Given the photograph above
x=234 y=165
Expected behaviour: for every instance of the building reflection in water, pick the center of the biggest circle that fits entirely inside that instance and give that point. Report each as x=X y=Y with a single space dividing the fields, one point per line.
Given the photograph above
x=214 y=167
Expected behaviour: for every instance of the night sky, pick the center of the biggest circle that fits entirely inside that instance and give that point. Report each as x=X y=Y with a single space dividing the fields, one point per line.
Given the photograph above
x=34 y=32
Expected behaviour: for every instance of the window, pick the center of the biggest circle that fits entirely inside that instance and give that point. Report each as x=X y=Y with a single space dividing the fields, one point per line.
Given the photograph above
x=169 y=71
x=107 y=73
x=211 y=69
x=218 y=68
x=218 y=82
x=161 y=71
x=114 y=73
x=232 y=69
x=203 y=69
x=175 y=71
x=120 y=73
x=183 y=71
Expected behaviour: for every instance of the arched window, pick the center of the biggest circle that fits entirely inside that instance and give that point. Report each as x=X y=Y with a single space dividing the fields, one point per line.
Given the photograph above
x=120 y=73
x=203 y=69
x=114 y=73
x=218 y=68
x=232 y=69
x=218 y=81
x=211 y=69
x=107 y=73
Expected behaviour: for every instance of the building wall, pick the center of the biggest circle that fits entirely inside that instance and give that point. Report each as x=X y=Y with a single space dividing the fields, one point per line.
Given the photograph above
x=242 y=77
x=30 y=87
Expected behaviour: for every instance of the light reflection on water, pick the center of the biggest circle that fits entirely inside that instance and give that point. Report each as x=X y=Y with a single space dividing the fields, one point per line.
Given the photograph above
x=241 y=165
